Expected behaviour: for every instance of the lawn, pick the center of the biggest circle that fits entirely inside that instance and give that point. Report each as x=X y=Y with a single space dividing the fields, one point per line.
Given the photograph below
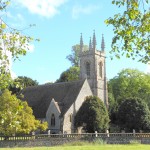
x=89 y=147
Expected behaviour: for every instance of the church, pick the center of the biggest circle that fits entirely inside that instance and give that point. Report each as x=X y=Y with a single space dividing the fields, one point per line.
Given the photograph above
x=58 y=103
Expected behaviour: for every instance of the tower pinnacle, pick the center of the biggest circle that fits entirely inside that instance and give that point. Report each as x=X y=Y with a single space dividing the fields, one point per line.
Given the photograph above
x=90 y=45
x=81 y=43
x=94 y=41
x=103 y=43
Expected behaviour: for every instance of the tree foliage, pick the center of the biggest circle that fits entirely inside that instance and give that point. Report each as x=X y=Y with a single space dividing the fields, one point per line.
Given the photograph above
x=128 y=83
x=131 y=29
x=113 y=108
x=74 y=57
x=133 y=113
x=22 y=82
x=16 y=116
x=12 y=43
x=71 y=74
x=93 y=114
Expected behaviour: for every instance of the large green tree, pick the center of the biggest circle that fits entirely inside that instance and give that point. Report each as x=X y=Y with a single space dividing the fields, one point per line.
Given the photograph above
x=131 y=29
x=128 y=83
x=71 y=74
x=93 y=114
x=13 y=43
x=133 y=113
x=16 y=116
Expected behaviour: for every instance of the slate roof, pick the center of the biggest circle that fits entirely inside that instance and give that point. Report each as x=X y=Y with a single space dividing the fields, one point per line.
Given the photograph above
x=64 y=93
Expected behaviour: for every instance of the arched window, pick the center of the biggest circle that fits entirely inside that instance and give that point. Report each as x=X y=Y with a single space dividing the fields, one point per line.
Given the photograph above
x=101 y=69
x=53 y=120
x=88 y=69
x=70 y=117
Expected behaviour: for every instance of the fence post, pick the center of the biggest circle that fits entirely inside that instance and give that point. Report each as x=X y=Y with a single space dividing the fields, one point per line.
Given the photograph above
x=133 y=132
x=95 y=133
x=33 y=135
x=60 y=134
x=49 y=132
x=107 y=132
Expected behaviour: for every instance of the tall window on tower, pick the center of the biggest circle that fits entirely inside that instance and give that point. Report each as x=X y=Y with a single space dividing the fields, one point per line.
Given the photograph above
x=53 y=120
x=88 y=69
x=101 y=69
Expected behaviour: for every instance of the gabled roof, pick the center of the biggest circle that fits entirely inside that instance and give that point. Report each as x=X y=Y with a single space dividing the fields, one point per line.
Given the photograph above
x=56 y=105
x=64 y=93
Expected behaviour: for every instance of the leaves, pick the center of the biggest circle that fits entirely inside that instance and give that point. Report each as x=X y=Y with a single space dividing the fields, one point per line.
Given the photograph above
x=133 y=113
x=93 y=114
x=16 y=116
x=71 y=74
x=3 y=26
x=4 y=4
x=131 y=30
x=128 y=83
x=20 y=83
x=74 y=57
x=13 y=43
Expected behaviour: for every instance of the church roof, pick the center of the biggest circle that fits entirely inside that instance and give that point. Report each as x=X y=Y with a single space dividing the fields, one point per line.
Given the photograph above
x=64 y=93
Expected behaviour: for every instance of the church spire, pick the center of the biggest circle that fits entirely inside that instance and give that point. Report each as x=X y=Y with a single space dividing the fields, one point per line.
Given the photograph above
x=94 y=41
x=81 y=43
x=90 y=45
x=102 y=43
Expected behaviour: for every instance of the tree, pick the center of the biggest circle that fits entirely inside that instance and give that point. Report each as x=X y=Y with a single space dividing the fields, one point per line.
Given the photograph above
x=22 y=82
x=133 y=113
x=26 y=81
x=74 y=57
x=131 y=29
x=12 y=42
x=93 y=114
x=128 y=83
x=113 y=108
x=16 y=116
x=71 y=74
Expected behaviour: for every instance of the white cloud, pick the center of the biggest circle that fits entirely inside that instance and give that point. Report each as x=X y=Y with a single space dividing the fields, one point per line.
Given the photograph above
x=78 y=10
x=46 y=8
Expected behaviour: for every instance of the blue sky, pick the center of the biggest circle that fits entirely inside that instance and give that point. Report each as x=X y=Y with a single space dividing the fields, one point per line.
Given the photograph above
x=58 y=26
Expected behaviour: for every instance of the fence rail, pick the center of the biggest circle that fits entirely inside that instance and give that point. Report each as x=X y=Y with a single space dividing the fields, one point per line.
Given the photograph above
x=75 y=135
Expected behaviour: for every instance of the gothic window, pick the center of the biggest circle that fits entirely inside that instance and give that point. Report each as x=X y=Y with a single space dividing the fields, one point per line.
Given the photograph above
x=101 y=69
x=88 y=69
x=70 y=117
x=53 y=120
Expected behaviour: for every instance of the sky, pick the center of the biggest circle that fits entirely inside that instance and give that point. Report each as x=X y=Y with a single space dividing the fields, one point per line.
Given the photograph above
x=58 y=25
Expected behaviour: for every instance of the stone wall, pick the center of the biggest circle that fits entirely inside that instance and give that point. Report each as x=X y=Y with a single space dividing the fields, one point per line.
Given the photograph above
x=48 y=141
x=35 y=143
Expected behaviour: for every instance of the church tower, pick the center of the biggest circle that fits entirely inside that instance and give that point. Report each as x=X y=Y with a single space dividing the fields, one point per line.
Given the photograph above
x=93 y=67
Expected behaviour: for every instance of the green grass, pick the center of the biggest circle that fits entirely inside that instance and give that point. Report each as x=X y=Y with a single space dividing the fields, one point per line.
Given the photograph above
x=88 y=147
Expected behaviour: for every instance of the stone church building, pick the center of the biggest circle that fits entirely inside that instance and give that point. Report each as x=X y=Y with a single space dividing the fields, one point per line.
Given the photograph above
x=58 y=103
